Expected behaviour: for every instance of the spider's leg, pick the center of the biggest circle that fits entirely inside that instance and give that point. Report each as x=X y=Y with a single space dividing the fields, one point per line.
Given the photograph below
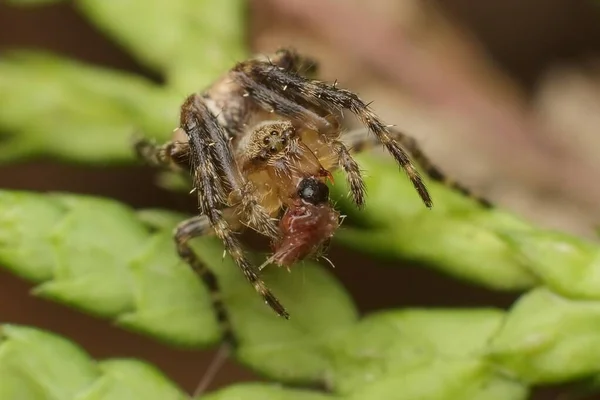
x=254 y=215
x=352 y=170
x=207 y=158
x=360 y=140
x=219 y=148
x=271 y=81
x=185 y=231
x=280 y=103
x=289 y=59
x=170 y=155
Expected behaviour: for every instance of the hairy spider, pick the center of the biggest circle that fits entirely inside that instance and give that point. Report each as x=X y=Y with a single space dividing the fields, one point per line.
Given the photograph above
x=261 y=142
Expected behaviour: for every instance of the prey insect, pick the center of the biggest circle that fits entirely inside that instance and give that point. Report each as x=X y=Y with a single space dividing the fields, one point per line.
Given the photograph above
x=261 y=143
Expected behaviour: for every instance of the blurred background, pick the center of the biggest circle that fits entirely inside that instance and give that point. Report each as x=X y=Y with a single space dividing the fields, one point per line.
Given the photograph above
x=503 y=94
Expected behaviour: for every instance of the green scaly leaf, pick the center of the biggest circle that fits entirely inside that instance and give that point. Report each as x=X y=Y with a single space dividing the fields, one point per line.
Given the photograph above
x=39 y=365
x=57 y=107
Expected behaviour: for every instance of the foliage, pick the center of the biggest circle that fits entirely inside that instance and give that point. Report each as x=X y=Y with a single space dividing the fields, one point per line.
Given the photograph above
x=105 y=258
x=39 y=365
x=58 y=107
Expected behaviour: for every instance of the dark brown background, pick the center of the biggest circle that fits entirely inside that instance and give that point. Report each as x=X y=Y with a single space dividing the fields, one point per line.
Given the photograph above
x=523 y=37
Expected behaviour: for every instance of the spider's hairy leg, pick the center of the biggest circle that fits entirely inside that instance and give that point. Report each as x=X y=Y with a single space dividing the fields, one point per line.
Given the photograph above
x=360 y=140
x=270 y=82
x=352 y=170
x=170 y=155
x=235 y=250
x=197 y=121
x=208 y=157
x=184 y=232
x=254 y=215
x=289 y=59
x=277 y=102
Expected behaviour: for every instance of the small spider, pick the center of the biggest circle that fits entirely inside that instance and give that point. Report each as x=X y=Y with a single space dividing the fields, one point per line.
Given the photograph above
x=261 y=142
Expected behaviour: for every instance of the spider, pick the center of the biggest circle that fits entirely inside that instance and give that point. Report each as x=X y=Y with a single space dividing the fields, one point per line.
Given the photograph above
x=261 y=142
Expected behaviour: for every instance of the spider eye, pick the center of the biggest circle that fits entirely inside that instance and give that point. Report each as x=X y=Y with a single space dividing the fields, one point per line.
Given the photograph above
x=274 y=133
x=289 y=132
x=313 y=191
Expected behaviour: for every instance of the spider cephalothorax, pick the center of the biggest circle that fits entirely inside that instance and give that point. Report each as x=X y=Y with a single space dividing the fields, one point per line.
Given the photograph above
x=261 y=143
x=275 y=157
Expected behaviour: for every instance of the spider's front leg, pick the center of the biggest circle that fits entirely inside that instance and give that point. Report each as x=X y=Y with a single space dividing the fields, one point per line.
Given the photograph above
x=187 y=230
x=310 y=101
x=359 y=140
x=214 y=171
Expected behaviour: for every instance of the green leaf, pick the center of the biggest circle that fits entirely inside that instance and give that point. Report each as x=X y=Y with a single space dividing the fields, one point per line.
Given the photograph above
x=568 y=265
x=166 y=289
x=459 y=248
x=257 y=391
x=97 y=255
x=25 y=248
x=488 y=247
x=192 y=41
x=160 y=219
x=39 y=365
x=32 y=2
x=392 y=199
x=61 y=108
x=57 y=107
x=549 y=339
x=130 y=379
x=386 y=349
x=289 y=350
x=78 y=238
x=100 y=256
x=454 y=379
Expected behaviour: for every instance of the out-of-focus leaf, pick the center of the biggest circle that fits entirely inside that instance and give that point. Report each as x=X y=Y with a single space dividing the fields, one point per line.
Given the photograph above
x=25 y=248
x=37 y=365
x=32 y=2
x=191 y=41
x=388 y=348
x=97 y=255
x=160 y=218
x=489 y=247
x=56 y=107
x=454 y=379
x=291 y=350
x=258 y=391
x=568 y=265
x=130 y=379
x=456 y=247
x=549 y=339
